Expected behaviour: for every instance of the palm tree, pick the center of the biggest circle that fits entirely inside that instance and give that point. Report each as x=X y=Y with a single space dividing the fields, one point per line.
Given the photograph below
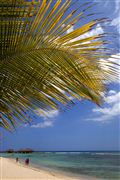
x=43 y=64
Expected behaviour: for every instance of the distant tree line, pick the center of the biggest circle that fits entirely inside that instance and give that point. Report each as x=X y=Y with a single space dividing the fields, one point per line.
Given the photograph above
x=26 y=150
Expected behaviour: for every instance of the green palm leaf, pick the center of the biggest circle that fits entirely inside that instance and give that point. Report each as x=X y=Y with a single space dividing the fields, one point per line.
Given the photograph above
x=41 y=65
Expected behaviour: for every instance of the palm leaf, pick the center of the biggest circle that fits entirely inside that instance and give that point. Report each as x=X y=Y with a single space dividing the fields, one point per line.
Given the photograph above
x=41 y=65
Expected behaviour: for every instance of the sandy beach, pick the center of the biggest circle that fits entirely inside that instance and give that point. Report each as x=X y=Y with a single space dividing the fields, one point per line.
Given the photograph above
x=9 y=169
x=12 y=170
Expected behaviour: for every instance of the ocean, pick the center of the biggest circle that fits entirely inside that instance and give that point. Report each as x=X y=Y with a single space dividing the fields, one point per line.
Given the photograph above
x=103 y=165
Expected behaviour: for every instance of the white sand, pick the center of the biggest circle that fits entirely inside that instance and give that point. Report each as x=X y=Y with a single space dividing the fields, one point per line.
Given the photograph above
x=9 y=169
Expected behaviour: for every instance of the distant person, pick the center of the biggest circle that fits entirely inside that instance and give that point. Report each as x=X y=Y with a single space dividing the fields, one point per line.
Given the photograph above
x=17 y=160
x=27 y=161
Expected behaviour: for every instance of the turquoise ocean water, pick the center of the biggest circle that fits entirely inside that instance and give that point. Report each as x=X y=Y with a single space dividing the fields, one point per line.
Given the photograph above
x=103 y=165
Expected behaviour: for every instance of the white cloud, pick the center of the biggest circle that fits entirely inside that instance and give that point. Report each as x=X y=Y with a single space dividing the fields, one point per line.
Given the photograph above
x=111 y=109
x=115 y=11
x=96 y=31
x=116 y=22
x=117 y=6
x=112 y=98
x=47 y=114
x=111 y=92
x=48 y=118
x=43 y=124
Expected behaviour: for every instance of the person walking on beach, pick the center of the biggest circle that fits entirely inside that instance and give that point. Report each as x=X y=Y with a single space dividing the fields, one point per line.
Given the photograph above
x=17 y=159
x=27 y=161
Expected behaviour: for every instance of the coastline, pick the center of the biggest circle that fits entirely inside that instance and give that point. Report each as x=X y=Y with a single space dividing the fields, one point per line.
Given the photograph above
x=12 y=170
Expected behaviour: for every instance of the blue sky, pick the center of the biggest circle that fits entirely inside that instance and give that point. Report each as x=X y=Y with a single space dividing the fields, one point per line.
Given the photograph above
x=83 y=126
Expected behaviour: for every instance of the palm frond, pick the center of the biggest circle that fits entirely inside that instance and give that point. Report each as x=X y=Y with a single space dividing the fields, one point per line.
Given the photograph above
x=41 y=65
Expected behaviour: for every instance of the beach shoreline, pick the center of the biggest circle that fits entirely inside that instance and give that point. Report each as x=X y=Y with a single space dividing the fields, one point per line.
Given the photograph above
x=12 y=170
